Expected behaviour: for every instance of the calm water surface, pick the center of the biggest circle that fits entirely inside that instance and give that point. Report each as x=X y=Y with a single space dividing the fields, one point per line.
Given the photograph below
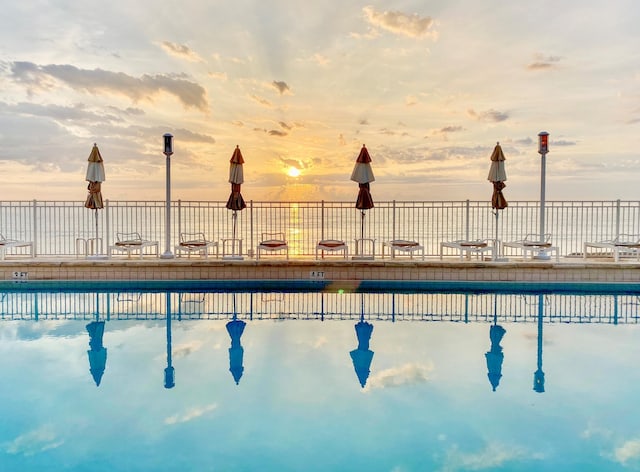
x=284 y=394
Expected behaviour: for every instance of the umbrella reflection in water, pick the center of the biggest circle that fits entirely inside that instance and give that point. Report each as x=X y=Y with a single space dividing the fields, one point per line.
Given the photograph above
x=495 y=356
x=235 y=328
x=362 y=356
x=97 y=352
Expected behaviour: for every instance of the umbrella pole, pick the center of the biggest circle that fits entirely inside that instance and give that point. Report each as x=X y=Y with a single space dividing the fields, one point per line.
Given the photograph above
x=233 y=240
x=95 y=251
x=362 y=226
x=495 y=242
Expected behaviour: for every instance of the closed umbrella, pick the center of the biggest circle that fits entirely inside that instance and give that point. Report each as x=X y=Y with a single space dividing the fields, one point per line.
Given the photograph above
x=363 y=174
x=95 y=177
x=497 y=176
x=235 y=202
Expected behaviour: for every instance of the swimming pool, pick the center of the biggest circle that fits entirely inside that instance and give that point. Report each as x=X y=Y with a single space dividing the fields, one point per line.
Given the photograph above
x=444 y=389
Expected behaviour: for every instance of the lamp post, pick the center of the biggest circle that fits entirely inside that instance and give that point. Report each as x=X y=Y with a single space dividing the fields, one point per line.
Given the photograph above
x=543 y=149
x=168 y=150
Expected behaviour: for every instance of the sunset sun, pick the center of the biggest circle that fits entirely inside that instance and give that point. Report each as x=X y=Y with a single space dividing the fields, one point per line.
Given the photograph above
x=293 y=172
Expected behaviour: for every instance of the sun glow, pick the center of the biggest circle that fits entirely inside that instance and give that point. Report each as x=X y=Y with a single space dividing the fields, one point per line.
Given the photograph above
x=293 y=172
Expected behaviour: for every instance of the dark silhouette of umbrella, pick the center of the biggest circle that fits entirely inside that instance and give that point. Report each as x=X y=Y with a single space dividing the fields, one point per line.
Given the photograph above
x=498 y=176
x=363 y=174
x=235 y=328
x=495 y=357
x=95 y=176
x=362 y=355
x=97 y=352
x=235 y=202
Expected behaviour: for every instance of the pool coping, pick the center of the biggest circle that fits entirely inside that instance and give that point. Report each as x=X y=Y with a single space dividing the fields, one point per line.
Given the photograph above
x=566 y=270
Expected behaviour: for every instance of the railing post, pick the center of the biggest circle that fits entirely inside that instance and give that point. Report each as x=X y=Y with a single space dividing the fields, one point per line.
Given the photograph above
x=107 y=225
x=251 y=226
x=34 y=229
x=617 y=218
x=467 y=214
x=393 y=221
x=179 y=217
x=322 y=220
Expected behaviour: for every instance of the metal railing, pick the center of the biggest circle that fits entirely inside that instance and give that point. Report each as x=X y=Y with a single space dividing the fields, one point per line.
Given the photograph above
x=321 y=306
x=63 y=228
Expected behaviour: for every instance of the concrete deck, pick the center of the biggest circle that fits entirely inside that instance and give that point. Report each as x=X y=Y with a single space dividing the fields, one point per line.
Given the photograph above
x=566 y=270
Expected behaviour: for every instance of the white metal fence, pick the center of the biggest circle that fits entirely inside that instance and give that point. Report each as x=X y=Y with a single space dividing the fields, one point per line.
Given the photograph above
x=56 y=227
x=321 y=305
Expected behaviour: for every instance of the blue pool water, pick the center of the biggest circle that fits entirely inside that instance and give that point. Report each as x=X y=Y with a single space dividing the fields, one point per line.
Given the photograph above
x=325 y=377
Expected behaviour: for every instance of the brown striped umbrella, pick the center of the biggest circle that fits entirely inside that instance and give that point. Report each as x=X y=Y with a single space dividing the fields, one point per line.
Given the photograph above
x=363 y=174
x=95 y=176
x=236 y=179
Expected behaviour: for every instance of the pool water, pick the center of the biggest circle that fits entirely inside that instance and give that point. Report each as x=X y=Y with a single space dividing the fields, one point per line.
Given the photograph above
x=318 y=381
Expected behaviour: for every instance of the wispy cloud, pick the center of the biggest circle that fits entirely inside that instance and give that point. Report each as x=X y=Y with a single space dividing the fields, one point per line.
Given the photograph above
x=397 y=376
x=189 y=415
x=490 y=116
x=261 y=101
x=34 y=442
x=542 y=62
x=97 y=81
x=493 y=456
x=181 y=51
x=628 y=452
x=281 y=87
x=411 y=25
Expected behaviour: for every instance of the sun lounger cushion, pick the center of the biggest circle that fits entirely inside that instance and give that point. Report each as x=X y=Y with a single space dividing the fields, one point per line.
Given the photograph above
x=331 y=243
x=273 y=243
x=474 y=244
x=403 y=243
x=131 y=242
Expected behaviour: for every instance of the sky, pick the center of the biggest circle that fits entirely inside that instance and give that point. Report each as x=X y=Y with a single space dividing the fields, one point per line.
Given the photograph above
x=428 y=86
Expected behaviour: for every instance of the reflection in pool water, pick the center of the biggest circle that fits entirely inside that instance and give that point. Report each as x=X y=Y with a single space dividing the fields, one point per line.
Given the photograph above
x=271 y=386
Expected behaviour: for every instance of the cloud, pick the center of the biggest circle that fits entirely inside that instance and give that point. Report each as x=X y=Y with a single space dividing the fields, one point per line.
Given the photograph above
x=542 y=62
x=262 y=101
x=562 y=142
x=180 y=50
x=277 y=132
x=281 y=87
x=413 y=26
x=190 y=414
x=183 y=350
x=629 y=451
x=493 y=456
x=406 y=374
x=34 y=442
x=97 y=81
x=63 y=113
x=490 y=116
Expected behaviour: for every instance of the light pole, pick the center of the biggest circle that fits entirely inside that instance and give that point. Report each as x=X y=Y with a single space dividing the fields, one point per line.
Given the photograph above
x=168 y=150
x=543 y=149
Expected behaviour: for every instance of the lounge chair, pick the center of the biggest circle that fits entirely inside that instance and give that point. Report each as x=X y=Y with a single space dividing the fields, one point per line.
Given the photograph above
x=531 y=244
x=467 y=248
x=623 y=245
x=6 y=243
x=196 y=242
x=132 y=242
x=272 y=242
x=404 y=246
x=331 y=245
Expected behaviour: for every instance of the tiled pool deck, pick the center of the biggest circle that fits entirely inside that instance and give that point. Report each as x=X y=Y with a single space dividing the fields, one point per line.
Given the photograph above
x=566 y=270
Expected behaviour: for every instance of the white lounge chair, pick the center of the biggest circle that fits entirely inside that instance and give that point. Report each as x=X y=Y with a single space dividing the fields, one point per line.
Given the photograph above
x=623 y=245
x=402 y=245
x=531 y=244
x=132 y=242
x=6 y=243
x=196 y=242
x=272 y=242
x=332 y=245
x=467 y=248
